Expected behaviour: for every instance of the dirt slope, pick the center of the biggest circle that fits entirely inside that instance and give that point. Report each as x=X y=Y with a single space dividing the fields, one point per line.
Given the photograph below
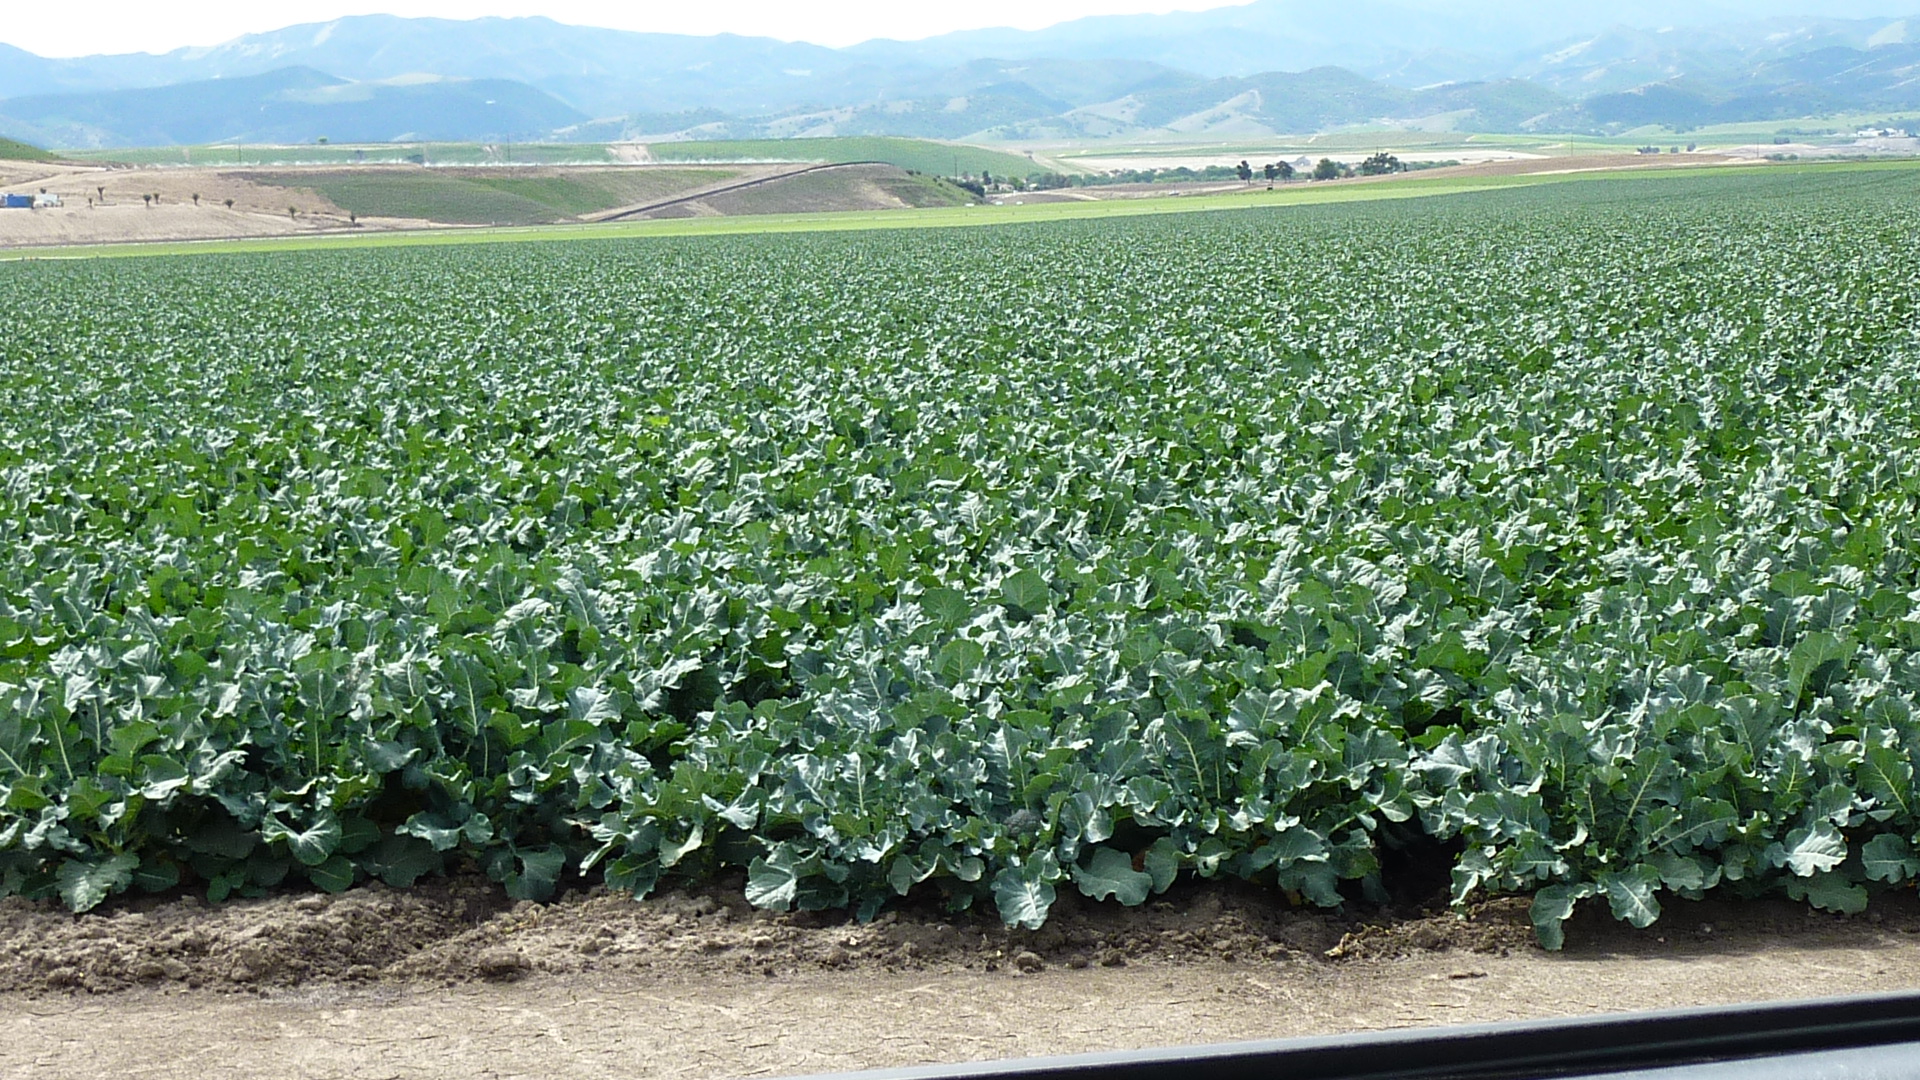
x=127 y=212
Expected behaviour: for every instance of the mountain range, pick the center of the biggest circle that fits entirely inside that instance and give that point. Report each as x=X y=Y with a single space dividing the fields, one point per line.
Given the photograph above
x=1267 y=66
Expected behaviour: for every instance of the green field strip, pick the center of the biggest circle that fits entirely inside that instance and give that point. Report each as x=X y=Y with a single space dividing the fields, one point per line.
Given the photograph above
x=916 y=155
x=487 y=196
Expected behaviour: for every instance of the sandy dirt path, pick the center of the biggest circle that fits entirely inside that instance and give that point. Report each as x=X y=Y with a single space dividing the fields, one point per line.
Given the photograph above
x=611 y=1027
x=449 y=980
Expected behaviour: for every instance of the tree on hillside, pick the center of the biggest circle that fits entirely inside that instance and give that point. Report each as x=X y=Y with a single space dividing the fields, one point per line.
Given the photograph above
x=229 y=204
x=1328 y=169
x=196 y=198
x=102 y=189
x=148 y=199
x=1245 y=172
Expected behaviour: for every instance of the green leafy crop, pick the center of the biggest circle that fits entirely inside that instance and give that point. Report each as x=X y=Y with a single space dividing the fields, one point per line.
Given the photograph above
x=1575 y=527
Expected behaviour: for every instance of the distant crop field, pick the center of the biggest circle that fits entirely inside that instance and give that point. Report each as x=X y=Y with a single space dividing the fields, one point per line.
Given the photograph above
x=577 y=192
x=491 y=196
x=240 y=156
x=1563 y=535
x=831 y=190
x=918 y=155
x=924 y=192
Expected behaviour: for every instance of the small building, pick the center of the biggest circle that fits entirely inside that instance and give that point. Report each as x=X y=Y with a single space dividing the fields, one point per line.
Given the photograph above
x=16 y=202
x=44 y=200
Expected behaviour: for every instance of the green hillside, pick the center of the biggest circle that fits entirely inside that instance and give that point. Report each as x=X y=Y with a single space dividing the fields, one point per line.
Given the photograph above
x=490 y=196
x=12 y=150
x=916 y=155
x=338 y=153
x=831 y=190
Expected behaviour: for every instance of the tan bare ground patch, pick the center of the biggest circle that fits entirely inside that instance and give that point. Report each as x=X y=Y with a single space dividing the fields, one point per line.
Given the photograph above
x=1573 y=164
x=450 y=980
x=151 y=204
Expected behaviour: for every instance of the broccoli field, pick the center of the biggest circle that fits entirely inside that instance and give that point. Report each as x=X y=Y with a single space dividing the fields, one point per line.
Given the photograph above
x=1571 y=532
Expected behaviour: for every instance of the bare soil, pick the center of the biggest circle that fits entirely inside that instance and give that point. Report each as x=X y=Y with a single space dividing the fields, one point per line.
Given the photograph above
x=155 y=204
x=451 y=980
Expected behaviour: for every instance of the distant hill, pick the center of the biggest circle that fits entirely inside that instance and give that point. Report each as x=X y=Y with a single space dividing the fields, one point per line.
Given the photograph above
x=294 y=104
x=1622 y=58
x=1408 y=42
x=1885 y=78
x=1273 y=102
x=11 y=150
x=1332 y=97
x=302 y=105
x=913 y=155
x=1291 y=66
x=599 y=72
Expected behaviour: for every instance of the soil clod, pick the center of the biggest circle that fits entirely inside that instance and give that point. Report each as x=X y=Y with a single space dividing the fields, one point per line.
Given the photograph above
x=501 y=965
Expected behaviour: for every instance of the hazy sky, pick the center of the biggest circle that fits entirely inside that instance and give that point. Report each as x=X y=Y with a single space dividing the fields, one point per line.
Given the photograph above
x=110 y=26
x=117 y=26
